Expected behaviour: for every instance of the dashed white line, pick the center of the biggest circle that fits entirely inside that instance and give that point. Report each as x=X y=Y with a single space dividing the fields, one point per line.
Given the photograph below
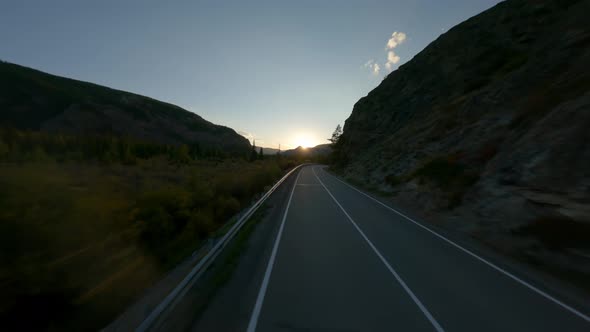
x=425 y=311
x=262 y=292
x=481 y=259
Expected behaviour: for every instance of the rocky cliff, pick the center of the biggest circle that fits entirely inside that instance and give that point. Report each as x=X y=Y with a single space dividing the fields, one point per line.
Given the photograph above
x=487 y=131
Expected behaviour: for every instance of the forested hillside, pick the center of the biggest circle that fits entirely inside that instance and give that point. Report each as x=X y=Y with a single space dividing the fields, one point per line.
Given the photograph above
x=33 y=100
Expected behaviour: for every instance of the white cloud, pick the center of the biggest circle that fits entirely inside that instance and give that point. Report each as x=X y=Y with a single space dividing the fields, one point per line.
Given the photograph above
x=396 y=39
x=392 y=59
x=373 y=66
x=376 y=69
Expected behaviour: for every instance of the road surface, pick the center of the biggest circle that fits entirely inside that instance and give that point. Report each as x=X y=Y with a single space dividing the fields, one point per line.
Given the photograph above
x=337 y=259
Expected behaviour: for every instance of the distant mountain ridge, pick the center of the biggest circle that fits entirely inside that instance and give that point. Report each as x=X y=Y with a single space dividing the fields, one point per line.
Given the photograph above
x=316 y=151
x=268 y=151
x=34 y=100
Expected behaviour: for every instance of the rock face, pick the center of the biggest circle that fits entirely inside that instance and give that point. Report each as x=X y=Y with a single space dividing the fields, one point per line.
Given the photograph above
x=488 y=129
x=30 y=99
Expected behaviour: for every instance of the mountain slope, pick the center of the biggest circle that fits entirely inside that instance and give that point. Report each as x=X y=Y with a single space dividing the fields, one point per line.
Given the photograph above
x=269 y=151
x=487 y=128
x=30 y=99
x=321 y=150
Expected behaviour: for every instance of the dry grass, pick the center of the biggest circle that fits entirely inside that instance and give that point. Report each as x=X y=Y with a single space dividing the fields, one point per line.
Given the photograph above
x=74 y=237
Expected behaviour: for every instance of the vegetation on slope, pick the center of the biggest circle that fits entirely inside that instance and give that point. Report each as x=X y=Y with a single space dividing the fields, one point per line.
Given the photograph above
x=33 y=100
x=88 y=223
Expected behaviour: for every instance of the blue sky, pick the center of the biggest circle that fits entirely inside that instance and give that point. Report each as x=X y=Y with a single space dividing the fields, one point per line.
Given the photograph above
x=282 y=71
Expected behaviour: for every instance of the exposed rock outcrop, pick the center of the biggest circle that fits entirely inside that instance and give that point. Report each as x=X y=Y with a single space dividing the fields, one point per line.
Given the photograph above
x=487 y=131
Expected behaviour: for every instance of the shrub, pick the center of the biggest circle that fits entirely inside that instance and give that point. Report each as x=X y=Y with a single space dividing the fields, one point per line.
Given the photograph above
x=201 y=192
x=201 y=224
x=162 y=214
x=225 y=207
x=130 y=224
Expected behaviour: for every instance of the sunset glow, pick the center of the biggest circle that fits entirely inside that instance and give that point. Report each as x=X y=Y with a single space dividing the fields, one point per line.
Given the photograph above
x=305 y=140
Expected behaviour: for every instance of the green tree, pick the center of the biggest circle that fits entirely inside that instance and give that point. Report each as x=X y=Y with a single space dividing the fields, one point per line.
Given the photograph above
x=182 y=154
x=260 y=155
x=195 y=150
x=253 y=153
x=338 y=157
x=336 y=135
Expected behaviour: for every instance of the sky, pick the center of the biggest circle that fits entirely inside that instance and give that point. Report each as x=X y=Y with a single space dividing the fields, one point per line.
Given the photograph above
x=279 y=72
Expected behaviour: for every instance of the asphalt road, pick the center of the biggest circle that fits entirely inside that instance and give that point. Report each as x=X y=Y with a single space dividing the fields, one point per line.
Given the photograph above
x=339 y=260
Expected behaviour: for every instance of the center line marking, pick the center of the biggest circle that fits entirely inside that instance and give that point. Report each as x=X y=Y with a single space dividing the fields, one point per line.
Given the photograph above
x=425 y=311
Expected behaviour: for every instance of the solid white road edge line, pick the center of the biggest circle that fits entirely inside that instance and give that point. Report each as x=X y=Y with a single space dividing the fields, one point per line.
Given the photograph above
x=425 y=311
x=481 y=259
x=262 y=292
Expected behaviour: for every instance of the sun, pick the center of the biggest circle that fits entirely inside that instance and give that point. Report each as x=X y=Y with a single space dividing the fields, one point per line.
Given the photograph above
x=304 y=140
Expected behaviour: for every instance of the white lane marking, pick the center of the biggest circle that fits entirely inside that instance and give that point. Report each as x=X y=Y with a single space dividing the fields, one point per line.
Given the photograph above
x=262 y=292
x=425 y=311
x=483 y=260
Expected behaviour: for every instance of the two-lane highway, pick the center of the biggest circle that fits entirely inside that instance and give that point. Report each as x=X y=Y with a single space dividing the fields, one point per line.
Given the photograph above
x=341 y=260
x=324 y=276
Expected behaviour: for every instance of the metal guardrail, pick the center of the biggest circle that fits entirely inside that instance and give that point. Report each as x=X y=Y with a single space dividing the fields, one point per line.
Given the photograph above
x=180 y=290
